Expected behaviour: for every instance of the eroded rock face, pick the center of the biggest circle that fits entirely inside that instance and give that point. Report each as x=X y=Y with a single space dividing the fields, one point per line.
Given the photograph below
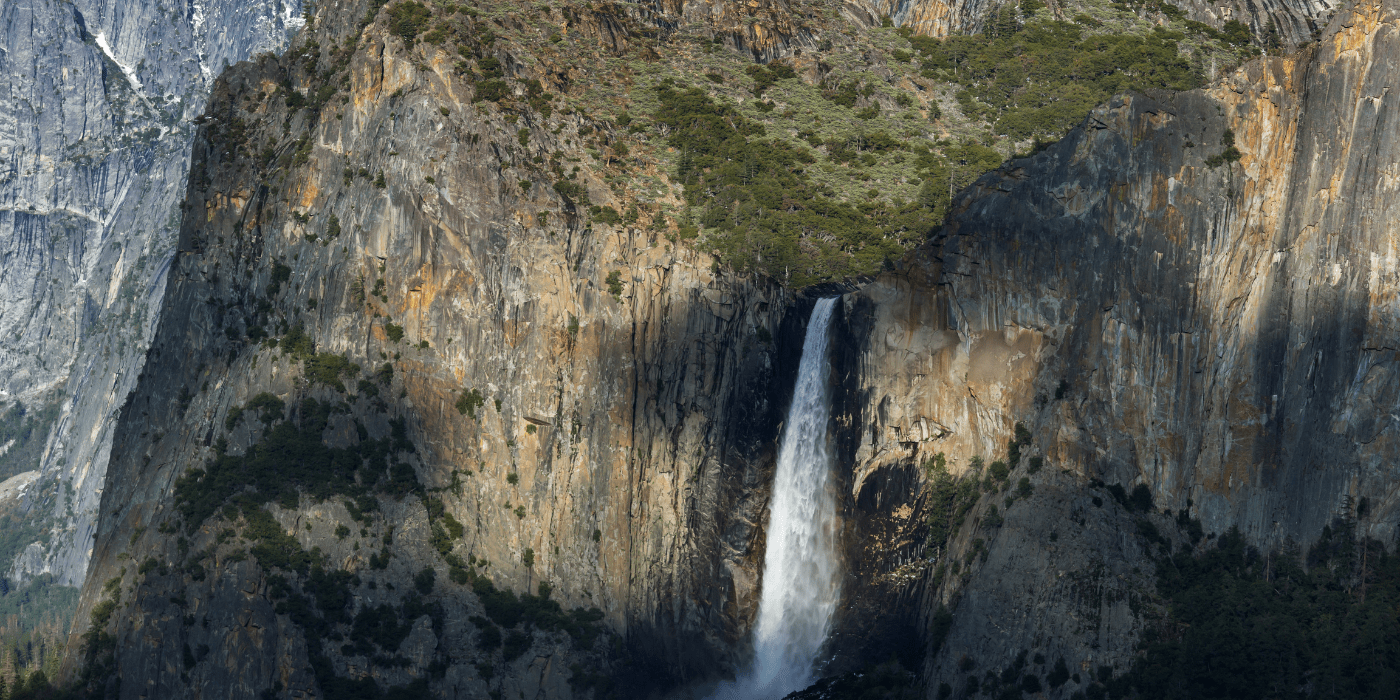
x=96 y=142
x=1222 y=335
x=621 y=436
x=930 y=17
x=1278 y=24
x=1150 y=318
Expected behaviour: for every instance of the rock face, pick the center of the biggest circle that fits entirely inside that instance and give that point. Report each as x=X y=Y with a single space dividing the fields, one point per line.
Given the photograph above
x=1191 y=294
x=96 y=142
x=931 y=17
x=772 y=29
x=1280 y=25
x=1220 y=334
x=611 y=438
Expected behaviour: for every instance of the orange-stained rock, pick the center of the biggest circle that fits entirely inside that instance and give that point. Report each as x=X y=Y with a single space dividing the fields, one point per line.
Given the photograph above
x=1226 y=336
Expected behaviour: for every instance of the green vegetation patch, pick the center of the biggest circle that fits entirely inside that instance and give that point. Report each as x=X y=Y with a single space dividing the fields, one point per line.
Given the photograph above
x=291 y=456
x=393 y=331
x=949 y=501
x=289 y=459
x=323 y=602
x=506 y=609
x=1243 y=624
x=1039 y=79
x=327 y=368
x=25 y=431
x=268 y=406
x=614 y=282
x=409 y=19
x=469 y=401
x=754 y=197
x=1229 y=155
x=281 y=274
x=298 y=343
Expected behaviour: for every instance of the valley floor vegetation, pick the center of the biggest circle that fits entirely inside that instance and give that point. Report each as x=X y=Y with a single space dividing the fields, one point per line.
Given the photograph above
x=1246 y=624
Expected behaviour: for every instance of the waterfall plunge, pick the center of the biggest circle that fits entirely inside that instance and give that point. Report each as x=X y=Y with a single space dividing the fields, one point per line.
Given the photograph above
x=801 y=569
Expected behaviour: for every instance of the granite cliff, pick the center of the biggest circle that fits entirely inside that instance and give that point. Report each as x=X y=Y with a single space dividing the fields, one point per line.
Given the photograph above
x=96 y=139
x=1279 y=25
x=416 y=420
x=1192 y=294
x=562 y=424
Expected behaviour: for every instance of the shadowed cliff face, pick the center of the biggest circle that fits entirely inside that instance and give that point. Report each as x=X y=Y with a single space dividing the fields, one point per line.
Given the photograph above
x=95 y=141
x=1217 y=334
x=1223 y=335
x=621 y=437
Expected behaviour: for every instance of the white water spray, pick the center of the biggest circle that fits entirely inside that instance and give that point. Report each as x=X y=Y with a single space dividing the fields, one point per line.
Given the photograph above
x=801 y=569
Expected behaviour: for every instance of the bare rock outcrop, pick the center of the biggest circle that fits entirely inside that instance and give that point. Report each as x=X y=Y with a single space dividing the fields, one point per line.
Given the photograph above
x=95 y=138
x=1193 y=293
x=591 y=405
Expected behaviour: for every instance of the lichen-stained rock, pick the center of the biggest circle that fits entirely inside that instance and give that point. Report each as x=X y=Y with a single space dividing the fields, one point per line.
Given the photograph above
x=1192 y=292
x=937 y=18
x=612 y=443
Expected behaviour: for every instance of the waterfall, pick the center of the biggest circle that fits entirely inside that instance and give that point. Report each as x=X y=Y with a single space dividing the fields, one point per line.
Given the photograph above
x=801 y=569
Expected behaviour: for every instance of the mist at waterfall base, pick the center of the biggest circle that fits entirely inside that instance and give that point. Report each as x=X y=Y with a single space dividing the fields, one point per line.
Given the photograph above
x=801 y=569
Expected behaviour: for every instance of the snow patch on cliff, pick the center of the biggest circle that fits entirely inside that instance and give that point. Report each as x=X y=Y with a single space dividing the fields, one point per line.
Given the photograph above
x=126 y=70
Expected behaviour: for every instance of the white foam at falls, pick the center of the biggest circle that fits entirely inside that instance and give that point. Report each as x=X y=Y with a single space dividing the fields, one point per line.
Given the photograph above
x=801 y=568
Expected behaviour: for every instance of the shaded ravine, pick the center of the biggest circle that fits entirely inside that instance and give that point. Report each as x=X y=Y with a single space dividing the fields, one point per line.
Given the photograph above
x=801 y=577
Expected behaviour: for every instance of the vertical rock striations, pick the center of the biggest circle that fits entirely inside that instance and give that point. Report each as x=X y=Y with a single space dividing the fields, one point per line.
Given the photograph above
x=1277 y=24
x=412 y=420
x=372 y=262
x=96 y=141
x=1193 y=293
